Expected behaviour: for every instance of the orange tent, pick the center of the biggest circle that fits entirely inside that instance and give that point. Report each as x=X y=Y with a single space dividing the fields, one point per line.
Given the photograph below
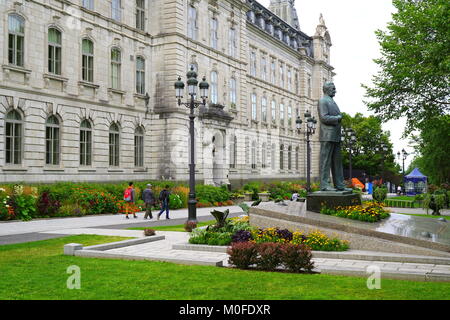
x=357 y=183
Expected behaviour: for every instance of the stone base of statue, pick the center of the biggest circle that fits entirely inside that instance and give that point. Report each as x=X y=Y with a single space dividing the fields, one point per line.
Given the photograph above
x=331 y=199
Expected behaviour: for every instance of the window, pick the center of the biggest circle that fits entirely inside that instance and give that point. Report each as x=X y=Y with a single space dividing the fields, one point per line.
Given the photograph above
x=263 y=156
x=13 y=133
x=289 y=115
x=274 y=112
x=87 y=60
x=232 y=45
x=309 y=86
x=140 y=75
x=16 y=40
x=213 y=30
x=297 y=155
x=296 y=84
x=233 y=151
x=88 y=4
x=272 y=72
x=289 y=157
x=214 y=88
x=253 y=63
x=289 y=79
x=192 y=23
x=54 y=51
x=85 y=143
x=272 y=156
x=281 y=114
x=247 y=151
x=264 y=109
x=254 y=115
x=264 y=68
x=233 y=92
x=116 y=64
x=253 y=155
x=115 y=10
x=114 y=145
x=281 y=75
x=281 y=157
x=139 y=147
x=52 y=141
x=140 y=14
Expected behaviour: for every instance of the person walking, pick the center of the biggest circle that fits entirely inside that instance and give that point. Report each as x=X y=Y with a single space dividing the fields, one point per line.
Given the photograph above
x=164 y=198
x=149 y=200
x=129 y=196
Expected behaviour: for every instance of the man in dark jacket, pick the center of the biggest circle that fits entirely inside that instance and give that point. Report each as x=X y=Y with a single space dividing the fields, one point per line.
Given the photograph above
x=149 y=200
x=164 y=198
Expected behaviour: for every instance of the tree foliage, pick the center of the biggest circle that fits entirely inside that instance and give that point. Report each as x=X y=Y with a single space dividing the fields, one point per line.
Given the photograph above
x=369 y=137
x=414 y=76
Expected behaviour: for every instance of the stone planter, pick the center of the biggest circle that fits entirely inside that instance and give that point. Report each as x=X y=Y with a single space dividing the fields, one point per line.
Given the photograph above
x=247 y=197
x=239 y=199
x=264 y=197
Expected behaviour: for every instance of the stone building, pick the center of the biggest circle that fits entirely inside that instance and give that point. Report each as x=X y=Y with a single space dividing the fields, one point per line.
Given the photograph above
x=86 y=89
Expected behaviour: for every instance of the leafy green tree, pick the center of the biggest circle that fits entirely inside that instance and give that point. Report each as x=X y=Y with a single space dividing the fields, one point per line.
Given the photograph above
x=369 y=137
x=433 y=149
x=414 y=76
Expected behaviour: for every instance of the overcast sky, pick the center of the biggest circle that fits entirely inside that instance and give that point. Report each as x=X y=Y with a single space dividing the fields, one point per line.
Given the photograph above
x=352 y=25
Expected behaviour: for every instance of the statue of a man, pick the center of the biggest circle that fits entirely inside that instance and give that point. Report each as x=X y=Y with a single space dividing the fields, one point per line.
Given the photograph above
x=330 y=141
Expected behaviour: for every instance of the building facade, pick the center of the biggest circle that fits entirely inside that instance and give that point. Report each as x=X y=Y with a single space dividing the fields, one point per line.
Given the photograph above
x=86 y=89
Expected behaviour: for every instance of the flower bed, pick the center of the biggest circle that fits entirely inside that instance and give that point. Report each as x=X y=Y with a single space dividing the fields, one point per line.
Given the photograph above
x=369 y=212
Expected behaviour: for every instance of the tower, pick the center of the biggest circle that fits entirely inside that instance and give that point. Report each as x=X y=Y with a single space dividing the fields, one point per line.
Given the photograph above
x=285 y=9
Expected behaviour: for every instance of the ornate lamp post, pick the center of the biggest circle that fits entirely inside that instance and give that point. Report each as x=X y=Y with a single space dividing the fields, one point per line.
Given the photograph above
x=311 y=124
x=404 y=155
x=349 y=138
x=192 y=83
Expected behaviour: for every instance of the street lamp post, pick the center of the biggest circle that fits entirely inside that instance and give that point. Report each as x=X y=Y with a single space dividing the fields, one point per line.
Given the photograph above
x=192 y=104
x=349 y=137
x=383 y=149
x=311 y=124
x=404 y=155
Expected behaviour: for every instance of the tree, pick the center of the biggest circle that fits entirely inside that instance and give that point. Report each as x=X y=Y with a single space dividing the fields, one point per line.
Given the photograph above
x=369 y=137
x=433 y=149
x=414 y=79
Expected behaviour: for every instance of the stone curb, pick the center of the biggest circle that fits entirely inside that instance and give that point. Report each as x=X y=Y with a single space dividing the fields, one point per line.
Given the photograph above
x=106 y=255
x=333 y=255
x=124 y=243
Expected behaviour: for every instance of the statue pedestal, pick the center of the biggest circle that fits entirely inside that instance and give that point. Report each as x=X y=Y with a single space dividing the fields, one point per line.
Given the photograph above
x=316 y=200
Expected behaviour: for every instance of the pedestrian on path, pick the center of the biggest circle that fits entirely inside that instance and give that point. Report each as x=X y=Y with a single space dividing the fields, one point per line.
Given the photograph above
x=164 y=198
x=129 y=197
x=149 y=200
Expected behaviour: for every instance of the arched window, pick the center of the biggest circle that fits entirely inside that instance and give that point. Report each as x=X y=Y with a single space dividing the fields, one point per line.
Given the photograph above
x=253 y=155
x=263 y=156
x=233 y=151
x=139 y=147
x=247 y=151
x=87 y=73
x=289 y=114
x=281 y=114
x=140 y=75
x=254 y=111
x=16 y=40
x=274 y=112
x=116 y=67
x=54 y=51
x=272 y=156
x=214 y=88
x=52 y=141
x=114 y=145
x=297 y=156
x=264 y=109
x=13 y=133
x=192 y=23
x=85 y=143
x=281 y=157
x=290 y=158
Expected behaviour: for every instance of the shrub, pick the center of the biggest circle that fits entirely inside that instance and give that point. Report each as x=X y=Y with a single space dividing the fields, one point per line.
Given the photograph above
x=149 y=232
x=380 y=194
x=211 y=194
x=296 y=257
x=269 y=256
x=241 y=236
x=218 y=238
x=242 y=254
x=24 y=206
x=47 y=206
x=72 y=209
x=175 y=201
x=190 y=225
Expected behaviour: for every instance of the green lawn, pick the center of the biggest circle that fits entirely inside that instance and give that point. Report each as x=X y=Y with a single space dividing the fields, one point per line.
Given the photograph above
x=426 y=215
x=179 y=227
x=38 y=270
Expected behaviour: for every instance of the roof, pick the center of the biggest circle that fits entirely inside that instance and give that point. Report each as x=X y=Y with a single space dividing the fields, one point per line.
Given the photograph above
x=415 y=174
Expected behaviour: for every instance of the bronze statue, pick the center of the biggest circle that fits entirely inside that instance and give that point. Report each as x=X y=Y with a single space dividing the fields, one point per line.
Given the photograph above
x=330 y=141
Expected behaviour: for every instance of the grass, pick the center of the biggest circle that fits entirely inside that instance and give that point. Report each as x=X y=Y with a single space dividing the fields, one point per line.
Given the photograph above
x=427 y=216
x=179 y=227
x=38 y=270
